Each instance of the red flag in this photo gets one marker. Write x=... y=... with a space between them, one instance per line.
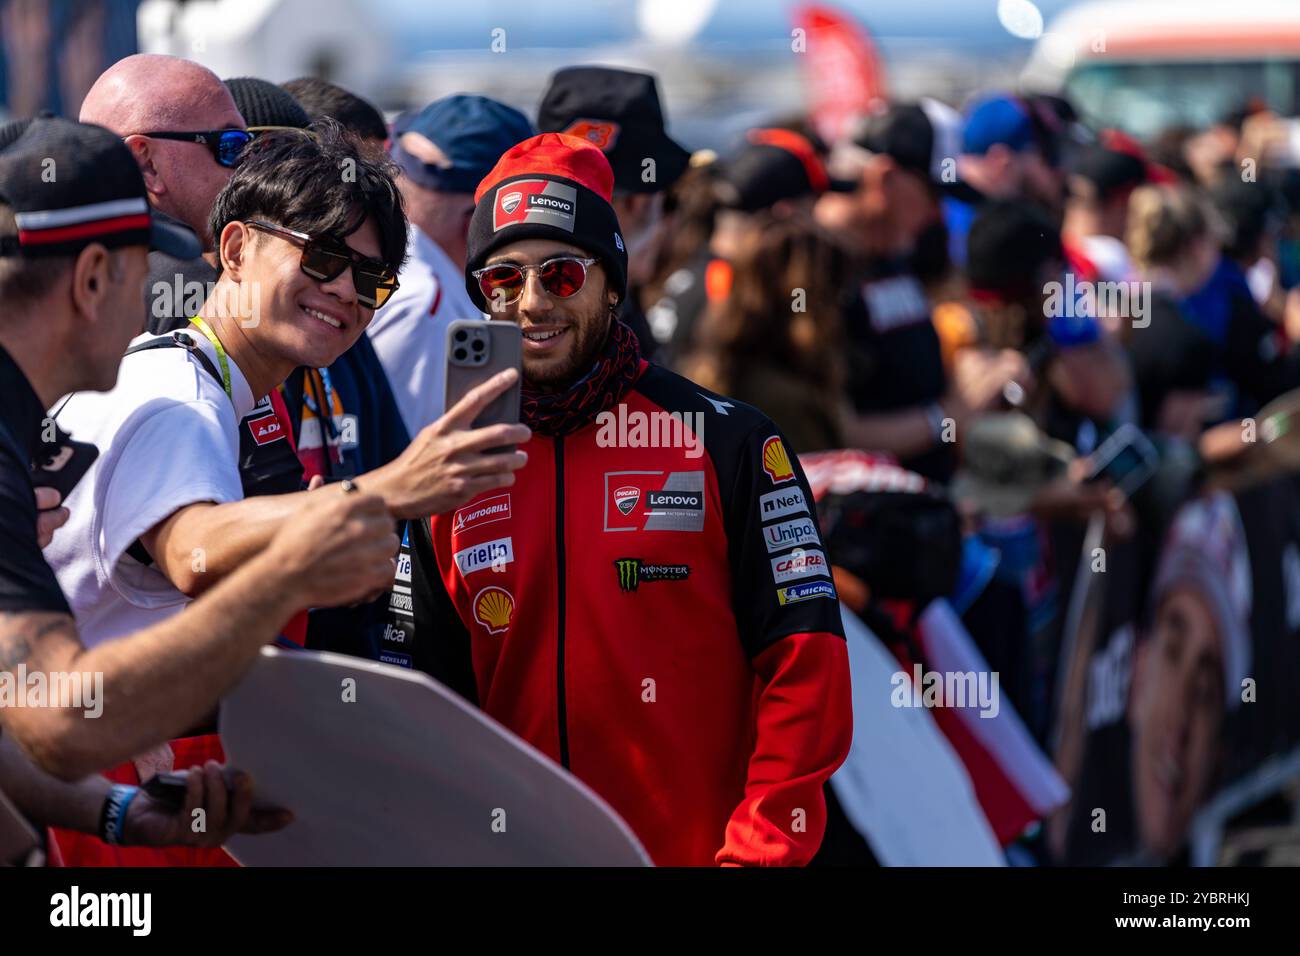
x=843 y=70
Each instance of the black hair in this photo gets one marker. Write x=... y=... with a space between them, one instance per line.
x=1008 y=244
x=1250 y=211
x=320 y=184
x=323 y=98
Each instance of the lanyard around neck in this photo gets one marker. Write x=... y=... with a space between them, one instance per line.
x=221 y=354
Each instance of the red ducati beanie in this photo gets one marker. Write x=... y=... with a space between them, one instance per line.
x=551 y=186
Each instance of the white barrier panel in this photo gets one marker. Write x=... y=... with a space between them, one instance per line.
x=394 y=769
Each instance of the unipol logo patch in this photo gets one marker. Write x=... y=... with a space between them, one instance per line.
x=535 y=201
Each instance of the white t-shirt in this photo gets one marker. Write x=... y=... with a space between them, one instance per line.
x=409 y=332
x=168 y=436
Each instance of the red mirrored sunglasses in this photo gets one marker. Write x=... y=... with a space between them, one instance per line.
x=562 y=277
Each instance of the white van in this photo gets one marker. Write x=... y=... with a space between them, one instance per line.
x=1146 y=65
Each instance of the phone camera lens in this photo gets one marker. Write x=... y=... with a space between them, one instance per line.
x=478 y=345
x=460 y=355
x=461 y=335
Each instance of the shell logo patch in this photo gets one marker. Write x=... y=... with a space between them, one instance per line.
x=776 y=462
x=493 y=608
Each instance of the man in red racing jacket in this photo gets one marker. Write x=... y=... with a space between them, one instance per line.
x=649 y=604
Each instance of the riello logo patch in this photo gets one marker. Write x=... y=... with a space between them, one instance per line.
x=537 y=201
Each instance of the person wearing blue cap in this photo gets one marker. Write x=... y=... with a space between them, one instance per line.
x=443 y=151
x=1001 y=158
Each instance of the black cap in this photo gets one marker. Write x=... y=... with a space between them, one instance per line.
x=619 y=112
x=773 y=165
x=1110 y=171
x=921 y=137
x=71 y=184
x=262 y=103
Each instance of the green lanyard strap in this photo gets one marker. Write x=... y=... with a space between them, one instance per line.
x=221 y=354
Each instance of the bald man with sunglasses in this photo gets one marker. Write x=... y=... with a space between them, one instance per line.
x=187 y=135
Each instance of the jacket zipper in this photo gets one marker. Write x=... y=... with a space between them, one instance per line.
x=560 y=702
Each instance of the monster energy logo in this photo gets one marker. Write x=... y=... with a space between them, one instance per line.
x=633 y=571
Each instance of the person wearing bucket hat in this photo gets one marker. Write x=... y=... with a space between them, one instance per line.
x=442 y=152
x=619 y=112
x=613 y=552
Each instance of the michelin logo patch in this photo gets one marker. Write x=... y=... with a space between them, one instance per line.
x=535 y=201
x=805 y=592
x=489 y=554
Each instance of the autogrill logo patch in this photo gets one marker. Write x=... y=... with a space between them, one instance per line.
x=496 y=508
x=632 y=572
x=535 y=201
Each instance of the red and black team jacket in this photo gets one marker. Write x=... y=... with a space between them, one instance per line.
x=659 y=620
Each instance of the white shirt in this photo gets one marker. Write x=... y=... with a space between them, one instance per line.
x=409 y=332
x=168 y=436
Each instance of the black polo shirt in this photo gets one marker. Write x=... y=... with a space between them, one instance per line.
x=26 y=582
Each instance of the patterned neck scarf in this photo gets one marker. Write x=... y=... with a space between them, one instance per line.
x=562 y=413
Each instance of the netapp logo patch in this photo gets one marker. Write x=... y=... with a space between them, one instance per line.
x=778 y=504
x=535 y=201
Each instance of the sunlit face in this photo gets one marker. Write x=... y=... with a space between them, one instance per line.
x=301 y=319
x=562 y=336
x=1176 y=712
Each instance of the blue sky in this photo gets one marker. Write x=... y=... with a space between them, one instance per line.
x=446 y=24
